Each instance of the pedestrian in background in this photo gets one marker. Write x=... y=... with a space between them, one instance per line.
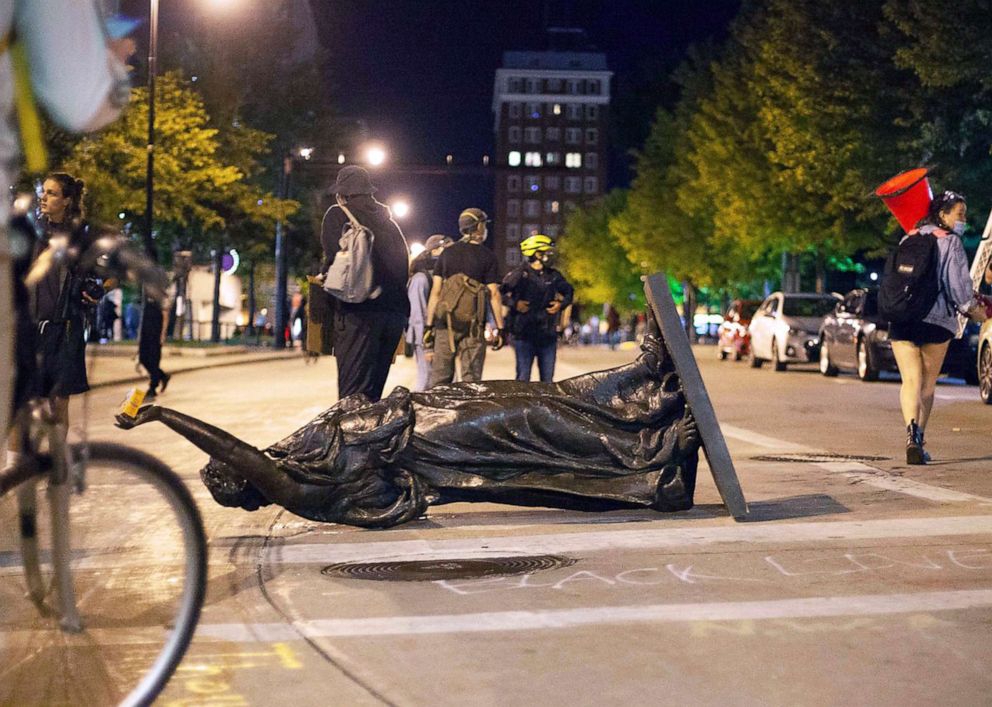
x=419 y=291
x=151 y=339
x=612 y=325
x=366 y=334
x=535 y=295
x=919 y=347
x=465 y=283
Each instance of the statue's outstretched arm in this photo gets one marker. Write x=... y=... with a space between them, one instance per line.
x=240 y=456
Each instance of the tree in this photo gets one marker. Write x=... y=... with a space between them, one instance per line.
x=594 y=262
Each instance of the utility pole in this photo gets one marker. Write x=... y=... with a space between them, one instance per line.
x=281 y=314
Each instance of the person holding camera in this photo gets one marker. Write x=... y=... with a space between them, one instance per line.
x=62 y=299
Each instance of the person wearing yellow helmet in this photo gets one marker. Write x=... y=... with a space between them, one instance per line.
x=537 y=298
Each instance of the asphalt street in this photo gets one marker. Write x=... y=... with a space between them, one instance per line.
x=856 y=580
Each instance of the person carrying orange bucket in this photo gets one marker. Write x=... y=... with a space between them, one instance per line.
x=926 y=294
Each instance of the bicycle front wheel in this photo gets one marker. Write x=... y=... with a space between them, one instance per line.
x=138 y=564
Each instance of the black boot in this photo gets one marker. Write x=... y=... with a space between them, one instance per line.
x=923 y=445
x=914 y=445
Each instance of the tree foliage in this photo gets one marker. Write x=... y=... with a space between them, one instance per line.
x=595 y=262
x=781 y=134
x=201 y=172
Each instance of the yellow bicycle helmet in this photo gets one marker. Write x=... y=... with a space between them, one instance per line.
x=536 y=243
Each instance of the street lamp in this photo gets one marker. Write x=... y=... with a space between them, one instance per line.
x=400 y=209
x=374 y=154
x=416 y=249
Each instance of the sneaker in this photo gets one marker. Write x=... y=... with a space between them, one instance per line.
x=165 y=381
x=150 y=395
x=914 y=449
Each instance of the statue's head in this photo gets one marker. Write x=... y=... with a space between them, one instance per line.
x=230 y=488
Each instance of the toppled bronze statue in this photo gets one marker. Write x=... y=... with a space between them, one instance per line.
x=618 y=438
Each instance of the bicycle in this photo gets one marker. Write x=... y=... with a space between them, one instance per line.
x=101 y=590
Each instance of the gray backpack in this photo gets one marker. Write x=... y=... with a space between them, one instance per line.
x=350 y=277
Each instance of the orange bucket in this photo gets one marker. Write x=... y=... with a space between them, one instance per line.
x=908 y=197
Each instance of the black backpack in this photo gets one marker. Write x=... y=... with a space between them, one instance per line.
x=911 y=281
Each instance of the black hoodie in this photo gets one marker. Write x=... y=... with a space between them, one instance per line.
x=390 y=260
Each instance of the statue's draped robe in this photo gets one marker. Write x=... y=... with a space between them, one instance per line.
x=604 y=440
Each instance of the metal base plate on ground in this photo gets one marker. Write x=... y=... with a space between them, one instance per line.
x=660 y=301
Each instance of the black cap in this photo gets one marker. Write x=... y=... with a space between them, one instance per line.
x=470 y=218
x=352 y=180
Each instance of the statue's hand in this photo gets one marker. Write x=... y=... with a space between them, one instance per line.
x=653 y=352
x=148 y=413
x=689 y=438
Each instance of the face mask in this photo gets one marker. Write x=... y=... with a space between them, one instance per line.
x=959 y=227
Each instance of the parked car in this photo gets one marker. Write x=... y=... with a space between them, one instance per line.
x=786 y=328
x=985 y=362
x=733 y=338
x=853 y=337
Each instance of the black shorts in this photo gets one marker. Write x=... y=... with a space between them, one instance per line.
x=919 y=333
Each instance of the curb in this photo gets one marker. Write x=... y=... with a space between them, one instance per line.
x=188 y=369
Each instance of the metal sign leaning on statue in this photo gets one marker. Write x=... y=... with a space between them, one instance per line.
x=626 y=437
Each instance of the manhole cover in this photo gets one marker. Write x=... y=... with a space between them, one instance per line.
x=817 y=458
x=430 y=570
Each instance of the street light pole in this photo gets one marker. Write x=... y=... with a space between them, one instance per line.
x=281 y=314
x=150 y=170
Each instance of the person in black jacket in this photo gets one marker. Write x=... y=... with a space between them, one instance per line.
x=367 y=333
x=536 y=296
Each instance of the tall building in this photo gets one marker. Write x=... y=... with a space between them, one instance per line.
x=552 y=114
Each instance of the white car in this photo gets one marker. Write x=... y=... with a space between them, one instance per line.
x=786 y=327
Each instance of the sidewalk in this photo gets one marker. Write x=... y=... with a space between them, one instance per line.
x=118 y=364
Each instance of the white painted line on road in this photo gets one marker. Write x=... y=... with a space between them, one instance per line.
x=485 y=622
x=880 y=479
x=654 y=539
x=857 y=471
x=492 y=621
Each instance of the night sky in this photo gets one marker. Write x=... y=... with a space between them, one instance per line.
x=420 y=72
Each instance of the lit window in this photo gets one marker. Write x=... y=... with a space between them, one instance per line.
x=513 y=159
x=552 y=158
x=573 y=160
x=555 y=207
x=551 y=207
x=557 y=109
x=532 y=159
